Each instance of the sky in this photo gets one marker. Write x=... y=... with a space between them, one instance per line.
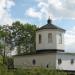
x=62 y=13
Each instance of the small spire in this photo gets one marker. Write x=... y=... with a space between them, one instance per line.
x=49 y=17
x=49 y=20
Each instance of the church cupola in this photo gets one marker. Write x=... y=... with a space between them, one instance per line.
x=50 y=38
x=49 y=21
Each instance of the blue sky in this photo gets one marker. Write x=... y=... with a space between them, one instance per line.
x=62 y=12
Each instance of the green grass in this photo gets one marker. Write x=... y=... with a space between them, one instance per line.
x=1 y=59
x=33 y=71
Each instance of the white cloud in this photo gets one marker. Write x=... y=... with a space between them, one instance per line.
x=56 y=3
x=33 y=13
x=70 y=40
x=21 y=20
x=5 y=7
x=54 y=8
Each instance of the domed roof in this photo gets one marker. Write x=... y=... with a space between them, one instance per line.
x=49 y=25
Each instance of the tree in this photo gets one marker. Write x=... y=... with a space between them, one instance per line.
x=2 y=41
x=6 y=42
x=24 y=37
x=21 y=36
x=31 y=30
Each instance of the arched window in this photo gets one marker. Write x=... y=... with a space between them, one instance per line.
x=59 y=61
x=47 y=65
x=60 y=38
x=40 y=38
x=72 y=61
x=49 y=37
x=34 y=61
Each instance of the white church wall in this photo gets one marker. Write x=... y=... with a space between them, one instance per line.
x=58 y=45
x=42 y=60
x=45 y=44
x=66 y=61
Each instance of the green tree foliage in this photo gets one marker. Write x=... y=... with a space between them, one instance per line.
x=24 y=37
x=21 y=36
x=2 y=36
x=5 y=38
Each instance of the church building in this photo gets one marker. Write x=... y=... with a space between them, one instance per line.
x=50 y=51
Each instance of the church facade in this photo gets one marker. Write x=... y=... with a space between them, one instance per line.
x=49 y=50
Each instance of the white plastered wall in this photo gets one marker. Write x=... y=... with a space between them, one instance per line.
x=45 y=44
x=41 y=60
x=66 y=61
